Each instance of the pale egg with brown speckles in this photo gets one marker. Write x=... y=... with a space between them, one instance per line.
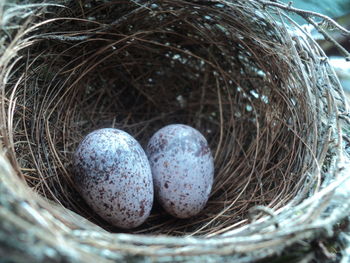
x=182 y=168
x=113 y=175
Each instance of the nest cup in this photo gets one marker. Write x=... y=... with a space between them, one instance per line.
x=258 y=88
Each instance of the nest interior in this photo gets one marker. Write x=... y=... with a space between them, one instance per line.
x=222 y=68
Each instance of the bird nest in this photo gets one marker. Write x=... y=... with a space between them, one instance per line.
x=241 y=72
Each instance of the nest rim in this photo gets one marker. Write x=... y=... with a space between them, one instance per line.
x=226 y=239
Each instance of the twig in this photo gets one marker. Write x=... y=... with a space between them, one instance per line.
x=305 y=14
x=63 y=38
x=329 y=38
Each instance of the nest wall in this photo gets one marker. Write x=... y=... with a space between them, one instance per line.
x=263 y=95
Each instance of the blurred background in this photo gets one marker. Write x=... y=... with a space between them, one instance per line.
x=339 y=10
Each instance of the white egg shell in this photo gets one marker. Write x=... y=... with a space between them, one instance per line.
x=114 y=177
x=182 y=168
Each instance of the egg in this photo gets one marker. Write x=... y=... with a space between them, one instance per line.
x=182 y=168
x=113 y=175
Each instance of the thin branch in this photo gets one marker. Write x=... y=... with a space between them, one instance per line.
x=329 y=38
x=305 y=14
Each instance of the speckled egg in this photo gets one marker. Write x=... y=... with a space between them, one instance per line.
x=114 y=177
x=182 y=168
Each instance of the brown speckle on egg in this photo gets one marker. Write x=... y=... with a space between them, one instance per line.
x=113 y=175
x=182 y=168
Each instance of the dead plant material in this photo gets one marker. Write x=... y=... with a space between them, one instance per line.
x=241 y=72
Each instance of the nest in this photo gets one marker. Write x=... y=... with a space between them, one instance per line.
x=241 y=72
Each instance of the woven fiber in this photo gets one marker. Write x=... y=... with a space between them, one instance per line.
x=242 y=72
